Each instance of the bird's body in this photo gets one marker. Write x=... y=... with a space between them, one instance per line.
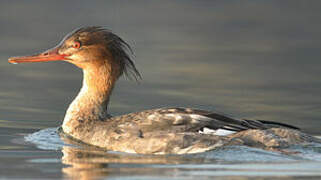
x=179 y=131
x=102 y=56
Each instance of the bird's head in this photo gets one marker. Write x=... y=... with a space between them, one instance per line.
x=89 y=47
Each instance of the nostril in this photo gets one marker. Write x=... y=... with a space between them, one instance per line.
x=46 y=54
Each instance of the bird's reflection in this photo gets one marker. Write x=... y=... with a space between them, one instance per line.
x=87 y=162
x=82 y=165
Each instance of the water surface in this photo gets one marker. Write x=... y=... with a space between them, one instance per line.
x=251 y=59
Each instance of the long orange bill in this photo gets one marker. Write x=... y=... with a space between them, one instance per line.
x=49 y=55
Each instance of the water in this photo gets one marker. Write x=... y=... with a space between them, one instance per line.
x=252 y=59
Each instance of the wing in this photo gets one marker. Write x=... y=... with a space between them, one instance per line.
x=193 y=120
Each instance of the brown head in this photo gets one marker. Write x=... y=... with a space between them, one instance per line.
x=89 y=47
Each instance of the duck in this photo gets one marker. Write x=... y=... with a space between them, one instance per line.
x=104 y=57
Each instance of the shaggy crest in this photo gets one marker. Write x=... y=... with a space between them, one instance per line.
x=116 y=45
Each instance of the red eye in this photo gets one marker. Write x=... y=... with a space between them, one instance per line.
x=76 y=45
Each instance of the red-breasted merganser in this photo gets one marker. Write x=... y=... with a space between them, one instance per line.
x=103 y=57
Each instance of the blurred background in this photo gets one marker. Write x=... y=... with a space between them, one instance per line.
x=255 y=59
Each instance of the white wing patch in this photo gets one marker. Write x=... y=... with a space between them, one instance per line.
x=217 y=132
